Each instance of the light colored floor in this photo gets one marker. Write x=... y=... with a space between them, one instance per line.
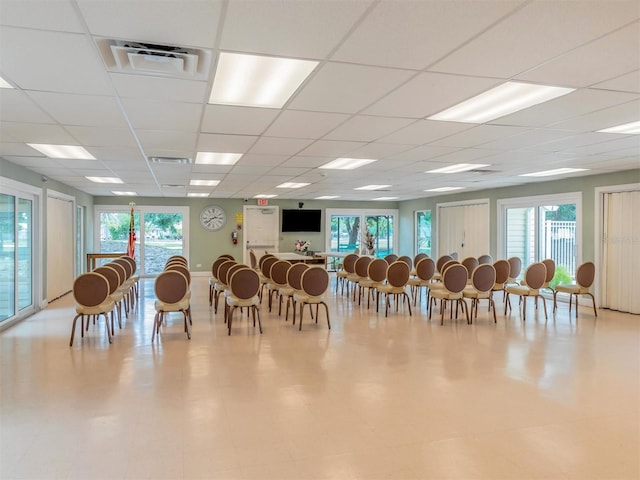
x=375 y=397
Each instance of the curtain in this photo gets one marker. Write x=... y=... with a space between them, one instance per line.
x=621 y=255
x=464 y=229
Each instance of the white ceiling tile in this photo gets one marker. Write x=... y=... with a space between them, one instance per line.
x=537 y=33
x=426 y=131
x=344 y=88
x=528 y=139
x=33 y=163
x=268 y=27
x=429 y=93
x=629 y=82
x=17 y=107
x=330 y=148
x=478 y=135
x=367 y=128
x=91 y=110
x=18 y=149
x=237 y=120
x=612 y=55
x=209 y=142
x=569 y=143
x=171 y=22
x=249 y=159
x=437 y=28
x=601 y=119
x=309 y=162
x=211 y=169
x=159 y=88
x=467 y=155
x=379 y=150
x=298 y=124
x=160 y=115
x=71 y=63
x=103 y=137
x=251 y=169
x=279 y=146
x=423 y=153
x=42 y=14
x=152 y=140
x=34 y=133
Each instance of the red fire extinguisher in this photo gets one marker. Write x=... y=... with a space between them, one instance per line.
x=234 y=237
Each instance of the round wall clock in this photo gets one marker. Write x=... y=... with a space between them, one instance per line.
x=213 y=218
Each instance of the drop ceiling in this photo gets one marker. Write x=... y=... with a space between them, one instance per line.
x=384 y=67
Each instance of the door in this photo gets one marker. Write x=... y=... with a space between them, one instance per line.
x=261 y=227
x=60 y=245
x=463 y=229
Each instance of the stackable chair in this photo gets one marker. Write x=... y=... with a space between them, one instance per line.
x=396 y=283
x=425 y=268
x=294 y=285
x=348 y=267
x=376 y=275
x=470 y=263
x=585 y=275
x=502 y=275
x=482 y=259
x=392 y=257
x=277 y=280
x=454 y=281
x=483 y=279
x=361 y=272
x=92 y=297
x=244 y=289
x=534 y=277
x=214 y=275
x=440 y=262
x=416 y=259
x=172 y=293
x=115 y=293
x=314 y=284
x=221 y=283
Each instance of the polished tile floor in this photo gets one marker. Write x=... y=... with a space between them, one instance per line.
x=374 y=398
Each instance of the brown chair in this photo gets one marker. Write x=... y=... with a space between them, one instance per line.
x=482 y=259
x=534 y=276
x=214 y=275
x=265 y=271
x=115 y=293
x=244 y=289
x=416 y=259
x=454 y=281
x=348 y=267
x=123 y=287
x=392 y=257
x=585 y=275
x=178 y=257
x=376 y=275
x=221 y=283
x=294 y=274
x=314 y=283
x=277 y=280
x=134 y=278
x=515 y=267
x=502 y=274
x=361 y=272
x=406 y=259
x=470 y=263
x=128 y=286
x=253 y=260
x=171 y=289
x=396 y=283
x=425 y=269
x=483 y=279
x=92 y=297
x=439 y=264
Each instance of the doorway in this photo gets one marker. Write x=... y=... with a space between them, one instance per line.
x=261 y=225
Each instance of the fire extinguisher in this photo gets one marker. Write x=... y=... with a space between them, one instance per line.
x=234 y=237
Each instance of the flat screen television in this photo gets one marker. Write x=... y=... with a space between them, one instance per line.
x=301 y=220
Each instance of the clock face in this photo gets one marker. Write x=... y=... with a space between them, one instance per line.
x=213 y=218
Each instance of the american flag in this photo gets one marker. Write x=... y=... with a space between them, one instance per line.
x=131 y=247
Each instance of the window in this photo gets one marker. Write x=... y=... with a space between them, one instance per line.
x=423 y=232
x=160 y=233
x=345 y=227
x=535 y=228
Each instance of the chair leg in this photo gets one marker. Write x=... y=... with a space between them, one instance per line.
x=230 y=319
x=301 y=314
x=544 y=304
x=73 y=327
x=256 y=312
x=593 y=300
x=326 y=308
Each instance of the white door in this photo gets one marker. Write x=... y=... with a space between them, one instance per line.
x=60 y=245
x=463 y=229
x=261 y=227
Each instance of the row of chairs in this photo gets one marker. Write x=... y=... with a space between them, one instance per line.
x=103 y=292
x=172 y=288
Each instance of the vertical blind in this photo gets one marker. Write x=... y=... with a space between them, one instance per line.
x=464 y=229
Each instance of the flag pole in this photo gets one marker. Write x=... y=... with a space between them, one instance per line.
x=131 y=246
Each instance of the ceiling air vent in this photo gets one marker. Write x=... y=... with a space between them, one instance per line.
x=155 y=59
x=170 y=160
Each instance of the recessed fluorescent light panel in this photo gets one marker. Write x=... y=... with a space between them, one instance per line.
x=502 y=100
x=327 y=197
x=197 y=194
x=204 y=183
x=62 y=151
x=557 y=171
x=292 y=185
x=104 y=179
x=262 y=195
x=444 y=189
x=460 y=167
x=257 y=81
x=386 y=198
x=124 y=194
x=4 y=83
x=372 y=187
x=214 y=158
x=347 y=163
x=632 y=128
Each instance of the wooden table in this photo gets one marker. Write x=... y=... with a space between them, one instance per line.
x=297 y=258
x=92 y=257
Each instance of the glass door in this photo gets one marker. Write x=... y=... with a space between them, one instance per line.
x=381 y=227
x=423 y=232
x=16 y=255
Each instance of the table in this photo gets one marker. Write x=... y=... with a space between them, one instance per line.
x=92 y=257
x=297 y=258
